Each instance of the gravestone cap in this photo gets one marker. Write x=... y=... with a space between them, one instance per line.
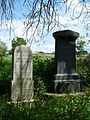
x=65 y=33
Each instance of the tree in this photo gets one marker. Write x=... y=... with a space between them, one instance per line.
x=44 y=15
x=18 y=41
x=81 y=44
x=5 y=69
x=3 y=49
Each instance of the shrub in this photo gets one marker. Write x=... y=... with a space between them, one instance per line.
x=83 y=68
x=5 y=74
x=39 y=88
x=49 y=72
x=43 y=72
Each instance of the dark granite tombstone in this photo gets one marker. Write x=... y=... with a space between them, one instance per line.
x=66 y=78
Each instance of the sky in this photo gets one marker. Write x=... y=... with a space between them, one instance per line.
x=47 y=44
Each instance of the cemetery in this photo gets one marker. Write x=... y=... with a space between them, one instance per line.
x=35 y=87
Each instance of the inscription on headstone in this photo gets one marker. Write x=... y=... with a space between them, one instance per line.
x=22 y=84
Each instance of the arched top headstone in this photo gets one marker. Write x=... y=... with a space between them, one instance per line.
x=22 y=49
x=22 y=84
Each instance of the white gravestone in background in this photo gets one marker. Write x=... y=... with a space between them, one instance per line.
x=22 y=84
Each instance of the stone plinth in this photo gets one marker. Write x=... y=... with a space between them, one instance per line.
x=22 y=84
x=66 y=78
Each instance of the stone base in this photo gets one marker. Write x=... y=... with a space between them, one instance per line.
x=67 y=86
x=22 y=93
x=65 y=76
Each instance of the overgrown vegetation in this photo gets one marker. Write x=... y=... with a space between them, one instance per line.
x=74 y=107
x=5 y=70
x=52 y=108
x=3 y=48
x=5 y=75
x=83 y=68
x=43 y=71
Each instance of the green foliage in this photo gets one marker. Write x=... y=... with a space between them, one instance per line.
x=43 y=72
x=39 y=88
x=53 y=108
x=3 y=49
x=80 y=45
x=38 y=62
x=39 y=83
x=67 y=107
x=18 y=41
x=49 y=72
x=5 y=74
x=5 y=69
x=83 y=68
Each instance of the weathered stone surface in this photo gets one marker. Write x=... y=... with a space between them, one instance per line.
x=22 y=84
x=66 y=77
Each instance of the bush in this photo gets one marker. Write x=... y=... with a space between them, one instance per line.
x=83 y=68
x=5 y=74
x=49 y=72
x=43 y=72
x=39 y=88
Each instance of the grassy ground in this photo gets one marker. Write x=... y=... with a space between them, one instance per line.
x=49 y=107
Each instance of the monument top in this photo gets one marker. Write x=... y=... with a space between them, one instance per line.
x=65 y=33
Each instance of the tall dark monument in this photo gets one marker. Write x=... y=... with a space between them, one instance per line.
x=66 y=78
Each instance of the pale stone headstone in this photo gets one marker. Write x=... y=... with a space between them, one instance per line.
x=22 y=84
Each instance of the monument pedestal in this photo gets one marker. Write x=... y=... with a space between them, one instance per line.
x=66 y=78
x=65 y=83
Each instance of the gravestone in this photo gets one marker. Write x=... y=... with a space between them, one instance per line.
x=66 y=78
x=22 y=84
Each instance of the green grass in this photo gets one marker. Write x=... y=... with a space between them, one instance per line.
x=49 y=108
